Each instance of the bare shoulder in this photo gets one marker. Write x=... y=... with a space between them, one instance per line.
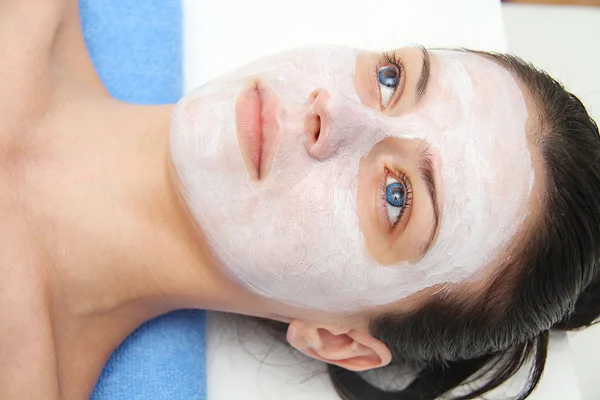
x=37 y=36
x=30 y=21
x=27 y=32
x=27 y=361
x=27 y=356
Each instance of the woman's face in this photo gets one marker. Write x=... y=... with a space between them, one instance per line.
x=335 y=179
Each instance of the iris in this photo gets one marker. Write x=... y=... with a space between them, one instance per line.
x=394 y=194
x=389 y=76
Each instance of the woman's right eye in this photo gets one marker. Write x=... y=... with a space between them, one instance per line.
x=396 y=196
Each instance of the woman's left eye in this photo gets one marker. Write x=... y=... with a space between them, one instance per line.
x=395 y=196
x=389 y=79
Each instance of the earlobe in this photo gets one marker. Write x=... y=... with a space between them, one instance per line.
x=352 y=349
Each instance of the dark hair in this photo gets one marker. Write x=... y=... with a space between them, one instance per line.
x=550 y=281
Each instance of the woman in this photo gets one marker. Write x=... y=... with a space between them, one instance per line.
x=435 y=208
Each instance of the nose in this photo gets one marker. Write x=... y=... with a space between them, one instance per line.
x=317 y=124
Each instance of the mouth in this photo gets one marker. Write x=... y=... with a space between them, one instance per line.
x=258 y=128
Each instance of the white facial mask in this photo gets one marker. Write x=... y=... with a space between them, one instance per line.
x=295 y=236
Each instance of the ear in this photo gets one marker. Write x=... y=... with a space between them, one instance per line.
x=352 y=349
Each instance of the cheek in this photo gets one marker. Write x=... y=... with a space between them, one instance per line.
x=192 y=107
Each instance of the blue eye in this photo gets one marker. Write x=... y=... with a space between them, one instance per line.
x=395 y=196
x=389 y=78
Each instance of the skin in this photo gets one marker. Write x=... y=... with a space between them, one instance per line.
x=95 y=238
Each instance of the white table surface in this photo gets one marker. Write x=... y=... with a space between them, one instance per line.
x=219 y=35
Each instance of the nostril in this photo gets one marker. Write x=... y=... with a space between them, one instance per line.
x=317 y=124
x=317 y=128
x=312 y=128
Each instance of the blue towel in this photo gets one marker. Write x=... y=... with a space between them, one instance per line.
x=136 y=47
x=163 y=359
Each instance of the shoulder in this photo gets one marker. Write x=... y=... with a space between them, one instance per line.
x=28 y=29
x=27 y=358
x=27 y=352
x=30 y=21
x=37 y=37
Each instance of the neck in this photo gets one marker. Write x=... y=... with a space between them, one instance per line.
x=124 y=247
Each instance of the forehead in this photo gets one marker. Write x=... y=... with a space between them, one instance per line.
x=470 y=90
x=472 y=77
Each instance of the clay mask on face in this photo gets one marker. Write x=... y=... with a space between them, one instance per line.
x=295 y=236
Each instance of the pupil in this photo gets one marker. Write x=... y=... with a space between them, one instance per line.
x=394 y=194
x=388 y=76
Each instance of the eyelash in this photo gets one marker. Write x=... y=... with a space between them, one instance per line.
x=388 y=58
x=393 y=58
x=402 y=178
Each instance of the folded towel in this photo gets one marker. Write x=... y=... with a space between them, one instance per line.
x=136 y=47
x=164 y=359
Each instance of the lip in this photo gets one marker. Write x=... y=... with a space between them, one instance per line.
x=258 y=128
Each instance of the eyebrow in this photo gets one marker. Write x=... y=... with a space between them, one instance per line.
x=425 y=166
x=423 y=81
